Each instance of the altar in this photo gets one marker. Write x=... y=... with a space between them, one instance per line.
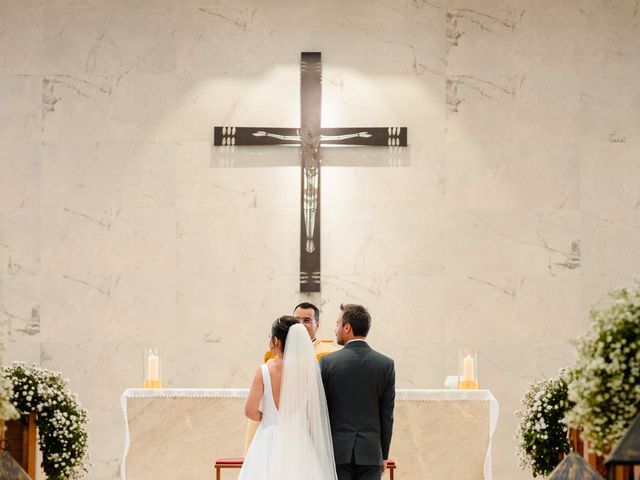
x=178 y=433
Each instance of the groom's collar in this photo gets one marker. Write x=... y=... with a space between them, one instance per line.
x=357 y=343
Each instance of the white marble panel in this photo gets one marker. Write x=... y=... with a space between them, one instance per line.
x=244 y=157
x=611 y=242
x=546 y=176
x=408 y=36
x=20 y=352
x=269 y=99
x=20 y=307
x=610 y=38
x=373 y=241
x=353 y=97
x=377 y=181
x=74 y=107
x=609 y=176
x=519 y=36
x=202 y=23
x=596 y=287
x=109 y=38
x=512 y=94
x=219 y=308
x=481 y=242
x=136 y=107
x=106 y=437
x=142 y=108
x=20 y=167
x=203 y=182
x=81 y=175
x=424 y=366
x=478 y=175
x=497 y=175
x=239 y=240
x=361 y=289
x=402 y=306
x=192 y=365
x=416 y=154
x=20 y=273
x=536 y=309
x=609 y=108
x=122 y=308
x=21 y=100
x=98 y=372
x=514 y=107
x=111 y=240
x=21 y=24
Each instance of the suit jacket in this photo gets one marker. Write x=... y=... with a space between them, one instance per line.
x=360 y=387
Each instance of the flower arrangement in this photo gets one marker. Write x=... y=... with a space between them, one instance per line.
x=61 y=420
x=542 y=434
x=7 y=410
x=605 y=383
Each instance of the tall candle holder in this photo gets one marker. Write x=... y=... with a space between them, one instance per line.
x=468 y=369
x=152 y=368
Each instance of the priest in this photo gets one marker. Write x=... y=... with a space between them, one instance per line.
x=309 y=315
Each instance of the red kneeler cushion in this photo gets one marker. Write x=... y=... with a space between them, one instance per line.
x=237 y=462
x=228 y=462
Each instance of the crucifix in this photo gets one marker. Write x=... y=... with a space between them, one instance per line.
x=310 y=136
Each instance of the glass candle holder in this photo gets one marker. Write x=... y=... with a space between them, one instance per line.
x=468 y=369
x=152 y=368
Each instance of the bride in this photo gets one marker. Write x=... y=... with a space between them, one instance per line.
x=287 y=397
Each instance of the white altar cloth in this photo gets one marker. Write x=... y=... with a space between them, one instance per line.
x=177 y=433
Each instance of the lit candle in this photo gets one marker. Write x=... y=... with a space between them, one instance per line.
x=467 y=369
x=153 y=367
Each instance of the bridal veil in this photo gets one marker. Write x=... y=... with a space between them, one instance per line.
x=303 y=448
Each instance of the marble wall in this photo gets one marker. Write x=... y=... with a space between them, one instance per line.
x=515 y=207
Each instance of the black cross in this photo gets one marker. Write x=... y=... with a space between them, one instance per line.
x=310 y=136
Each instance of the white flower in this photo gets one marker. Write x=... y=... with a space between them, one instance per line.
x=39 y=390
x=604 y=398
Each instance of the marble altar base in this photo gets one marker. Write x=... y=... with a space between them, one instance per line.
x=176 y=434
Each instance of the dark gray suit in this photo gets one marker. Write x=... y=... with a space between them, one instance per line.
x=360 y=387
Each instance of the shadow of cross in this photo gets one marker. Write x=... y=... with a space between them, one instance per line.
x=310 y=137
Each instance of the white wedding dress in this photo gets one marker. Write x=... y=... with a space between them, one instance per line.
x=256 y=462
x=293 y=443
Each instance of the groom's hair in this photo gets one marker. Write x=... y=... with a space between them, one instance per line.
x=358 y=317
x=280 y=328
x=307 y=305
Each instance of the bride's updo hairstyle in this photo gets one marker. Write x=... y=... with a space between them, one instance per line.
x=280 y=328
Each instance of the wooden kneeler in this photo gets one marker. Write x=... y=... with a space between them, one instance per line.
x=20 y=441
x=222 y=463
x=391 y=466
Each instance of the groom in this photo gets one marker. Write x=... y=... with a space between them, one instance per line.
x=360 y=387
